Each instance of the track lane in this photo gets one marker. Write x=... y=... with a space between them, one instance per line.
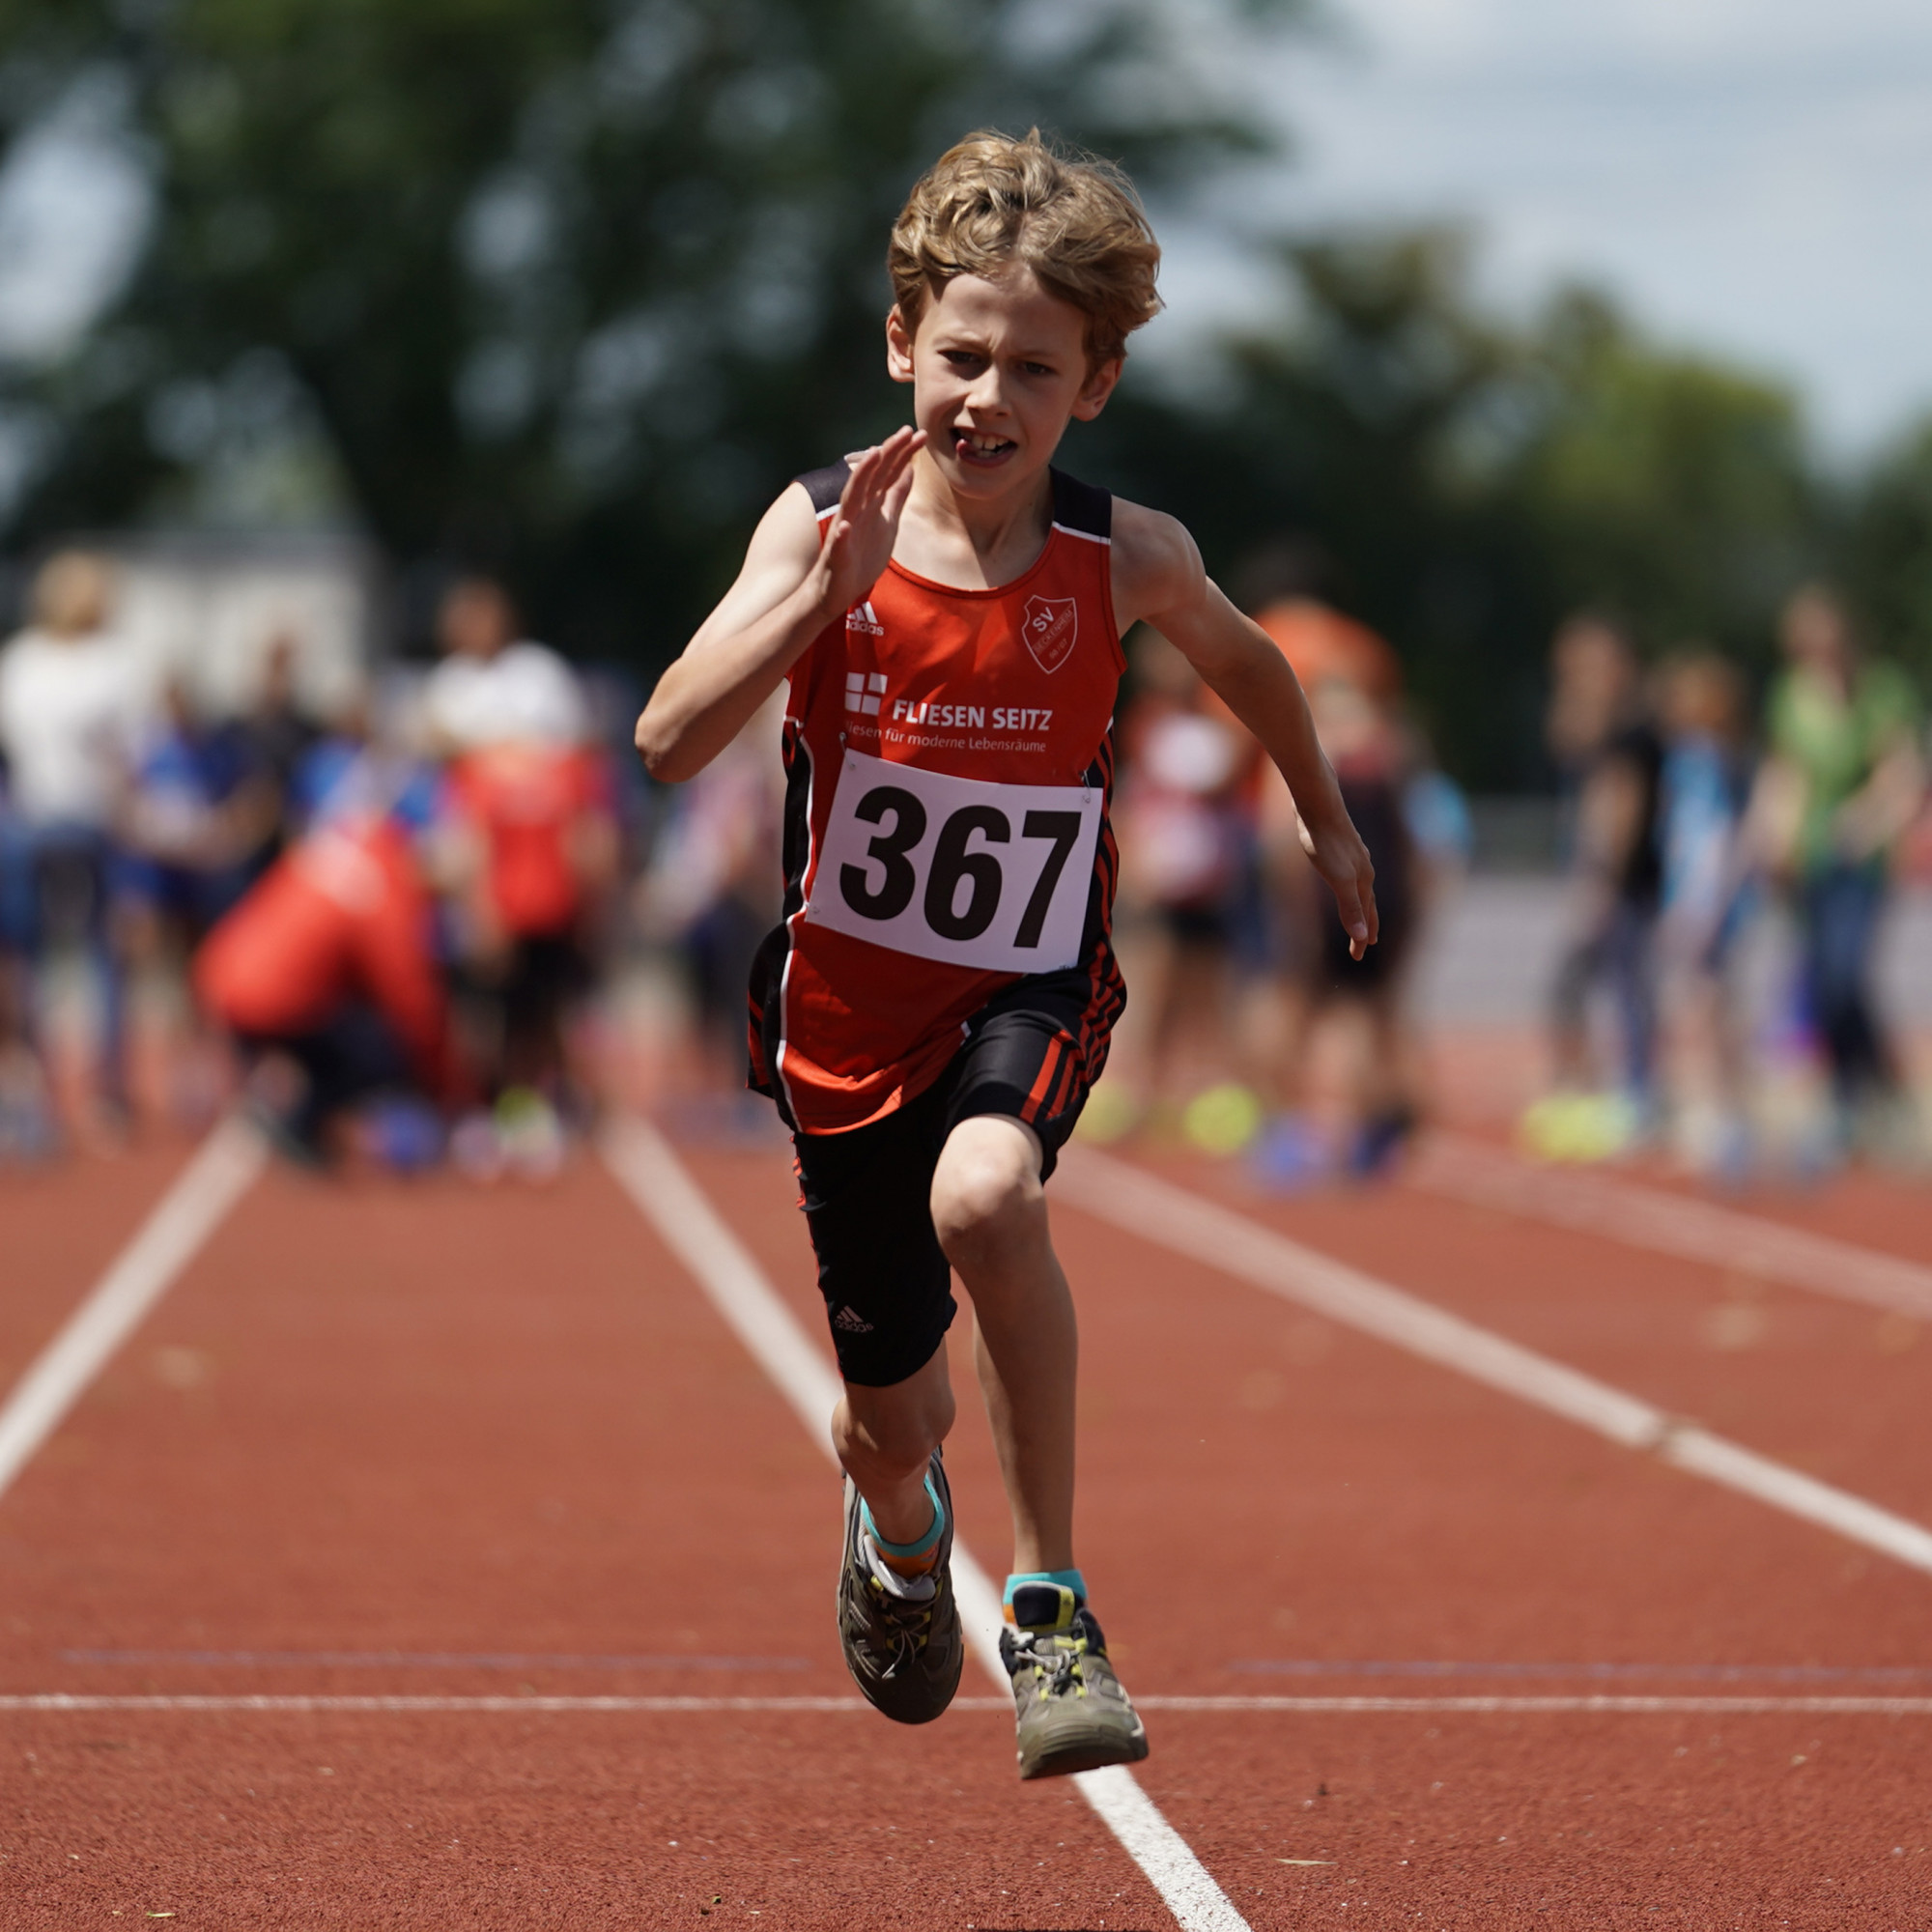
x=443 y=1423
x=1837 y=1390
x=383 y=1430
x=61 y=1224
x=1258 y=1485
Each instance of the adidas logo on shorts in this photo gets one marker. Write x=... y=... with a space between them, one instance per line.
x=862 y=692
x=852 y=1323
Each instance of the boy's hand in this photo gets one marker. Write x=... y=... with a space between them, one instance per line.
x=867 y=523
x=1336 y=849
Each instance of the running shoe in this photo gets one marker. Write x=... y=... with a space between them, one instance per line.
x=900 y=1634
x=1073 y=1713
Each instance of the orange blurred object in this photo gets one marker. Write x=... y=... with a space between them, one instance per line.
x=1320 y=642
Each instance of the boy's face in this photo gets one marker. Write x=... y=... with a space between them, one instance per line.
x=997 y=369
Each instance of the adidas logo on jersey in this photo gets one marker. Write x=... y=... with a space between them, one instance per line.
x=864 y=692
x=852 y=1323
x=863 y=617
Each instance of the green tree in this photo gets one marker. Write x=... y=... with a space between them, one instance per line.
x=1884 y=555
x=1670 y=487
x=572 y=285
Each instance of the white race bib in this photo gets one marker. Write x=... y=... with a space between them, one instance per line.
x=991 y=877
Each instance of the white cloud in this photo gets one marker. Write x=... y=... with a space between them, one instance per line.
x=1748 y=174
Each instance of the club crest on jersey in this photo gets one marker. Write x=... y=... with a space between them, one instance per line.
x=1049 y=627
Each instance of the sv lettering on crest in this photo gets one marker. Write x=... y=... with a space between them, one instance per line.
x=1049 y=626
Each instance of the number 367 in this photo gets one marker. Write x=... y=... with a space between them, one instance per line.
x=951 y=865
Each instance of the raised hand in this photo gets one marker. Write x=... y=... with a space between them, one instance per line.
x=867 y=523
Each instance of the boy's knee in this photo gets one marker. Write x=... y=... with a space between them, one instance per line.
x=985 y=1191
x=894 y=1438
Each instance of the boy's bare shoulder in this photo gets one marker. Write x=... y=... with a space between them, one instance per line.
x=1156 y=563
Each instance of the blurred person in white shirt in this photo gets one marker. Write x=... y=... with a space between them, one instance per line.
x=68 y=703
x=494 y=687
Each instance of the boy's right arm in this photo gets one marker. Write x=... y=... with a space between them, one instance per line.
x=792 y=585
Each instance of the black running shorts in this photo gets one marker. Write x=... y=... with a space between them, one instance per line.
x=867 y=1193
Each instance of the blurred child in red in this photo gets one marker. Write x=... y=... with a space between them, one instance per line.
x=1354 y=683
x=532 y=850
x=1188 y=770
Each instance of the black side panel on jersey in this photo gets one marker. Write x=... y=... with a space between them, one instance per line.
x=768 y=967
x=1079 y=507
x=825 y=486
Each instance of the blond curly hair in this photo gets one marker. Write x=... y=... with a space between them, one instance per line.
x=992 y=201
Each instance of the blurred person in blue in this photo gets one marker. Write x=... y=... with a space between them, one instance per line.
x=195 y=815
x=70 y=701
x=1610 y=759
x=1709 y=864
x=1844 y=742
x=275 y=734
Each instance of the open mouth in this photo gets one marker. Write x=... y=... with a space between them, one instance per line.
x=970 y=446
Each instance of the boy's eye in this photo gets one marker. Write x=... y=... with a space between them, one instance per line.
x=962 y=359
x=1038 y=368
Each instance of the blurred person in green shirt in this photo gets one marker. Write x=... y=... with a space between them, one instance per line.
x=1845 y=778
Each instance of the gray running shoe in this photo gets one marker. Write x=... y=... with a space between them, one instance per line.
x=904 y=1652
x=1074 y=1713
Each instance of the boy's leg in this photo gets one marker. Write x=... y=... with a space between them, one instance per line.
x=889 y=1300
x=989 y=1210
x=885 y=1438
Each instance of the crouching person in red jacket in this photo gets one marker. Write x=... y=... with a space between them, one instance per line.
x=329 y=963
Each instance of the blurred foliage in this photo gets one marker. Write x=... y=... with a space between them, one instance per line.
x=1886 y=550
x=1462 y=483
x=565 y=286
x=569 y=287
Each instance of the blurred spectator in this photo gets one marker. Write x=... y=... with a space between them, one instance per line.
x=1185 y=829
x=1611 y=758
x=533 y=843
x=275 y=735
x=1842 y=736
x=193 y=816
x=1706 y=885
x=193 y=812
x=67 y=701
x=713 y=887
x=1354 y=683
x=327 y=973
x=493 y=688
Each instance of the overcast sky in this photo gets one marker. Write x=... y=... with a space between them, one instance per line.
x=1752 y=176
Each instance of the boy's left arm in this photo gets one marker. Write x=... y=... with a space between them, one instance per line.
x=1158 y=579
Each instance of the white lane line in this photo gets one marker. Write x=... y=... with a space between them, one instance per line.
x=657 y=1181
x=1220 y=1238
x=217 y=1177
x=403 y=1706
x=1667 y=1224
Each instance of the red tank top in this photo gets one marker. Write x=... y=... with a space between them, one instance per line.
x=948 y=763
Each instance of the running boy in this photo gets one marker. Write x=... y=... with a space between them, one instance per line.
x=935 y=1006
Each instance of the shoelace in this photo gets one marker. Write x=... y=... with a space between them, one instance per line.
x=1056 y=1666
x=910 y=1620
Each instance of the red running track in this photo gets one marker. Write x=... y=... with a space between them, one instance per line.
x=502 y=1438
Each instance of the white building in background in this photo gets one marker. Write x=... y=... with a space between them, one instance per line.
x=212 y=608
